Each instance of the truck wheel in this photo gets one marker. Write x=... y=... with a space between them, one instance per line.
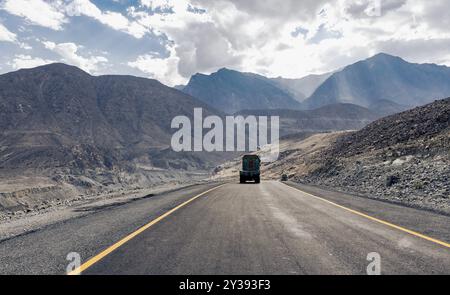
x=257 y=180
x=241 y=180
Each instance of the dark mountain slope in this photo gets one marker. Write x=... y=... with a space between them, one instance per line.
x=60 y=116
x=418 y=128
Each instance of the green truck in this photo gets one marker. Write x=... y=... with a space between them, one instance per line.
x=250 y=169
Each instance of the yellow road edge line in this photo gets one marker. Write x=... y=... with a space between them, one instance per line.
x=411 y=232
x=113 y=247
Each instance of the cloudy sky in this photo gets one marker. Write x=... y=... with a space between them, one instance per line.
x=170 y=40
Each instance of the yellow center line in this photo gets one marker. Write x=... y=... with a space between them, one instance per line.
x=110 y=249
x=411 y=232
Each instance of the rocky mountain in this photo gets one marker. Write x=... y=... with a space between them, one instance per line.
x=232 y=91
x=383 y=78
x=420 y=131
x=383 y=83
x=60 y=116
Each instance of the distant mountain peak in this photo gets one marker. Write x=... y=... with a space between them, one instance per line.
x=60 y=66
x=383 y=77
x=232 y=91
x=384 y=55
x=227 y=71
x=221 y=70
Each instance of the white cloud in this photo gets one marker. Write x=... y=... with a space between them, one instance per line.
x=68 y=53
x=114 y=20
x=256 y=36
x=245 y=35
x=37 y=12
x=21 y=61
x=163 y=69
x=6 y=35
x=252 y=35
x=54 y=13
x=198 y=44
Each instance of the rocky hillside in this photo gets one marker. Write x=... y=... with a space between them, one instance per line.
x=422 y=130
x=60 y=116
x=402 y=158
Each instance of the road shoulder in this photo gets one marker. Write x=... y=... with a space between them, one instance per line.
x=430 y=223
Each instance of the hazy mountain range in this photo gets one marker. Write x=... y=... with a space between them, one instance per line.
x=65 y=133
x=383 y=83
x=60 y=116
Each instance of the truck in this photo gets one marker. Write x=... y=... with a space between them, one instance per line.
x=250 y=169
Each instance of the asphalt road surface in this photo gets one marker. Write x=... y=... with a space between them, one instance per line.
x=266 y=228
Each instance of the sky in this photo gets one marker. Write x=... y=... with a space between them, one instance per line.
x=170 y=40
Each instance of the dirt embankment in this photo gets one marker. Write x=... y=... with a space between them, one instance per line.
x=29 y=192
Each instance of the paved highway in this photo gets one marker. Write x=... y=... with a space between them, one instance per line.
x=269 y=228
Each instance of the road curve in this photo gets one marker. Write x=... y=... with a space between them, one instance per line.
x=269 y=228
